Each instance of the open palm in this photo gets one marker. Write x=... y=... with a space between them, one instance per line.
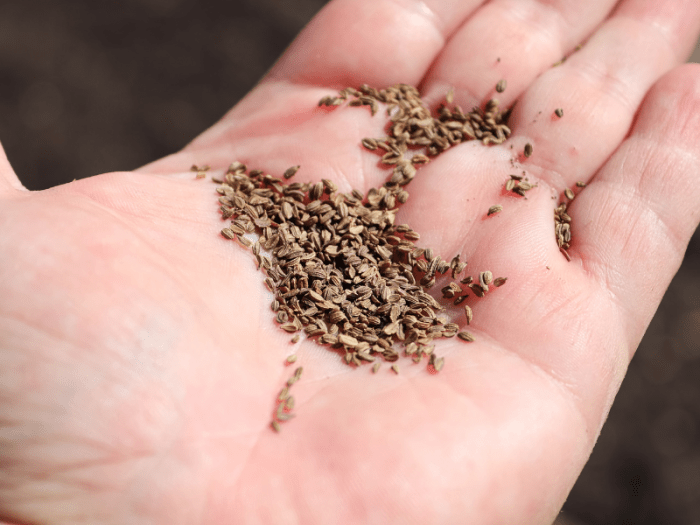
x=139 y=359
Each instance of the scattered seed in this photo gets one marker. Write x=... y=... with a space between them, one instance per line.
x=295 y=339
x=465 y=336
x=499 y=281
x=528 y=150
x=569 y=194
x=496 y=208
x=468 y=313
x=501 y=86
x=559 y=112
x=581 y=184
x=275 y=426
x=291 y=359
x=395 y=368
x=290 y=172
x=450 y=97
x=375 y=367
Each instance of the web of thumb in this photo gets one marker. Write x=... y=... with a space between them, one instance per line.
x=9 y=181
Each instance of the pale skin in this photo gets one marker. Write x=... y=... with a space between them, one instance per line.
x=139 y=359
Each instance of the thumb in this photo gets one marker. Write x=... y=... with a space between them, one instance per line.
x=8 y=178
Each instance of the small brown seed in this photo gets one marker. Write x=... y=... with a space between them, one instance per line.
x=569 y=194
x=275 y=426
x=290 y=172
x=226 y=232
x=499 y=281
x=369 y=143
x=291 y=359
x=581 y=184
x=295 y=339
x=496 y=208
x=395 y=368
x=501 y=86
x=559 y=112
x=465 y=336
x=375 y=367
x=528 y=150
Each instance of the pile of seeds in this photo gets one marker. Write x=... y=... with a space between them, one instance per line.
x=340 y=268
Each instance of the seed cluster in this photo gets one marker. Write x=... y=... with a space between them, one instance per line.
x=562 y=222
x=339 y=267
x=285 y=402
x=519 y=184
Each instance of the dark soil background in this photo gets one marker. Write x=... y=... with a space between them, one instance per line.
x=88 y=87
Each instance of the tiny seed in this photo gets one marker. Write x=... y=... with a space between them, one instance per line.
x=295 y=339
x=439 y=363
x=275 y=426
x=290 y=172
x=292 y=358
x=496 y=208
x=375 y=367
x=468 y=313
x=569 y=194
x=501 y=86
x=226 y=232
x=465 y=336
x=395 y=368
x=581 y=184
x=528 y=150
x=289 y=403
x=499 y=281
x=559 y=112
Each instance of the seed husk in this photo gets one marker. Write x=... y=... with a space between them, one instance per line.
x=569 y=194
x=466 y=336
x=291 y=359
x=275 y=426
x=581 y=184
x=375 y=367
x=528 y=150
x=295 y=339
x=496 y=208
x=395 y=368
x=559 y=112
x=501 y=86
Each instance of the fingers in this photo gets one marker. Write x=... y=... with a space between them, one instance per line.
x=600 y=87
x=8 y=179
x=633 y=222
x=378 y=42
x=514 y=40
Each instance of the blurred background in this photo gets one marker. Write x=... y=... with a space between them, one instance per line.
x=90 y=87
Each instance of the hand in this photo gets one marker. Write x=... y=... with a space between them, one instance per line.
x=139 y=359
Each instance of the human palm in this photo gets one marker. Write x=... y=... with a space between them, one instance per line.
x=139 y=359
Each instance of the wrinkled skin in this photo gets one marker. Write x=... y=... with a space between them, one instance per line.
x=139 y=359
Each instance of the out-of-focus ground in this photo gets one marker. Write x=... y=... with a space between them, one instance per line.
x=87 y=88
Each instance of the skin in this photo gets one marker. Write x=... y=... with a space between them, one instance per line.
x=139 y=359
